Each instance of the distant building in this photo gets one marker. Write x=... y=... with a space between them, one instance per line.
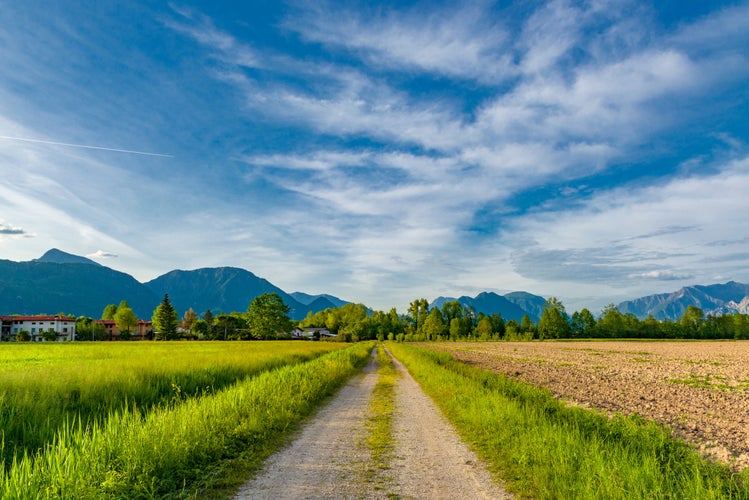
x=144 y=330
x=63 y=326
x=310 y=333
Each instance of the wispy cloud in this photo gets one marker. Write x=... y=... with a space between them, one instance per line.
x=458 y=42
x=662 y=275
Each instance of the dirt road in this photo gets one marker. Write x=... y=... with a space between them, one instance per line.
x=329 y=459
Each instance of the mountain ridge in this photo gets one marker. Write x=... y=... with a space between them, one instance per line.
x=712 y=299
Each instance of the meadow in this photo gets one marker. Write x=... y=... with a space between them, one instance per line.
x=81 y=416
x=542 y=447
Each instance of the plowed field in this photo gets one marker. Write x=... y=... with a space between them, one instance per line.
x=698 y=389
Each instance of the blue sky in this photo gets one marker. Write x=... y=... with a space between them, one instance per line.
x=593 y=151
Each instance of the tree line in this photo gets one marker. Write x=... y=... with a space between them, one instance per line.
x=454 y=321
x=267 y=317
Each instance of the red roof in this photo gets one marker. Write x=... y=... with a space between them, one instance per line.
x=37 y=318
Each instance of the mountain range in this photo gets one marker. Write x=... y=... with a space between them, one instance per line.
x=62 y=282
x=727 y=298
x=513 y=305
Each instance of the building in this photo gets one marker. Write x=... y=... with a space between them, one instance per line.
x=310 y=333
x=143 y=331
x=63 y=326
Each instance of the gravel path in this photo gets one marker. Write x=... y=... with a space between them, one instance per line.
x=430 y=459
x=329 y=460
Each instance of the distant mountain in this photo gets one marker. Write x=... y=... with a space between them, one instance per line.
x=56 y=256
x=490 y=303
x=62 y=282
x=51 y=287
x=224 y=289
x=528 y=302
x=308 y=299
x=712 y=299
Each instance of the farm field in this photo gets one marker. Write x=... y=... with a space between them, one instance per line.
x=698 y=389
x=58 y=400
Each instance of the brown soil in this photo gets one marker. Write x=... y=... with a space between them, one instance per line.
x=698 y=389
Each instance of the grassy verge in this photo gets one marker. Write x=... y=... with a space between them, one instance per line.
x=543 y=449
x=380 y=441
x=186 y=450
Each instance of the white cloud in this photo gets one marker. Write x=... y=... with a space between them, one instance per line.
x=619 y=236
x=461 y=43
x=102 y=254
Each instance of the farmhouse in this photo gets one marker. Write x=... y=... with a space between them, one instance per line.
x=310 y=333
x=143 y=331
x=63 y=326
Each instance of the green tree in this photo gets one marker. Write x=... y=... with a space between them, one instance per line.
x=109 y=312
x=418 y=310
x=49 y=335
x=484 y=329
x=434 y=325
x=583 y=324
x=498 y=324
x=554 y=323
x=125 y=319
x=526 y=325
x=611 y=323
x=165 y=320
x=23 y=336
x=268 y=316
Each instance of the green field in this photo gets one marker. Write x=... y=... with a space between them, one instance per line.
x=150 y=419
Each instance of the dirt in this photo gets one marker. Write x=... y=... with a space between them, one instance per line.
x=328 y=459
x=698 y=389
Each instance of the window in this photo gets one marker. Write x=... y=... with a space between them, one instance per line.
x=33 y=330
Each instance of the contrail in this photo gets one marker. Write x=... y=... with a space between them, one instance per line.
x=54 y=143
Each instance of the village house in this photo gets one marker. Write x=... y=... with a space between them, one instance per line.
x=143 y=331
x=310 y=333
x=63 y=326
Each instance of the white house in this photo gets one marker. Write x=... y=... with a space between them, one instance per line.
x=311 y=333
x=35 y=325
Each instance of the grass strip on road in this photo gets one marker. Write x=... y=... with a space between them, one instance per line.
x=380 y=440
x=541 y=448
x=182 y=450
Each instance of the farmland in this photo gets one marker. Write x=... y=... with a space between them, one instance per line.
x=698 y=389
x=91 y=421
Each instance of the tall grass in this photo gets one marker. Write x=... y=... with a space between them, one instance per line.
x=45 y=386
x=175 y=451
x=542 y=448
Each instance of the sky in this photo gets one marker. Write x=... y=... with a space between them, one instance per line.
x=592 y=151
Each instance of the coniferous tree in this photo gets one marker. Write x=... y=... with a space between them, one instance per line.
x=165 y=319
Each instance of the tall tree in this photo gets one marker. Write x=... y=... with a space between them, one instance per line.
x=554 y=323
x=418 y=309
x=434 y=325
x=165 y=320
x=268 y=316
x=109 y=312
x=189 y=319
x=125 y=319
x=583 y=324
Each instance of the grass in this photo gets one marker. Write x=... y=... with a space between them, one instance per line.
x=198 y=448
x=380 y=440
x=542 y=448
x=712 y=382
x=44 y=387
